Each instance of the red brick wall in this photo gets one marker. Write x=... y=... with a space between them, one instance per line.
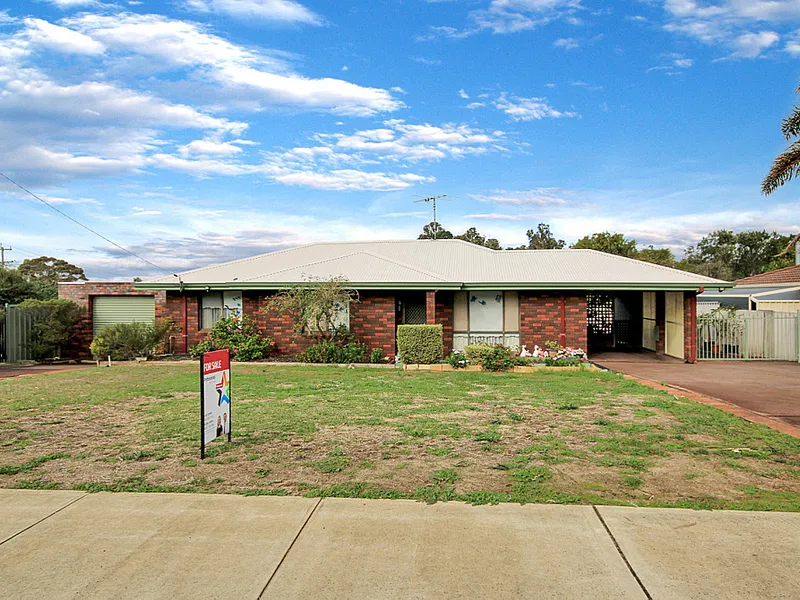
x=430 y=308
x=279 y=327
x=372 y=320
x=83 y=294
x=690 y=327
x=173 y=308
x=444 y=316
x=540 y=319
x=661 y=322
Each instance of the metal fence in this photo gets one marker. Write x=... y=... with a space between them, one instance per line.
x=749 y=335
x=15 y=330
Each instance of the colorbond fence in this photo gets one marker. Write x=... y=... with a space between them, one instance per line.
x=15 y=330
x=748 y=335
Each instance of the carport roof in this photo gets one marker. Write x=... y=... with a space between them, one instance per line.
x=436 y=264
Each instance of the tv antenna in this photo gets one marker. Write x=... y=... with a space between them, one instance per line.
x=432 y=199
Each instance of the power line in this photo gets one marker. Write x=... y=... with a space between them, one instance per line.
x=87 y=228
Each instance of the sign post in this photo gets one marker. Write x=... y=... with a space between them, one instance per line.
x=215 y=397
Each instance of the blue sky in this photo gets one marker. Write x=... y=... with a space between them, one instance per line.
x=197 y=131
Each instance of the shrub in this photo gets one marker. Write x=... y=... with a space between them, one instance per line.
x=420 y=344
x=329 y=351
x=53 y=322
x=376 y=356
x=499 y=358
x=126 y=341
x=240 y=335
x=457 y=360
x=476 y=352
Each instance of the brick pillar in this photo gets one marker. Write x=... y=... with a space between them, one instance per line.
x=690 y=327
x=661 y=322
x=430 y=308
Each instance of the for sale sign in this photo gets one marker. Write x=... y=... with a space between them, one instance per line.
x=215 y=397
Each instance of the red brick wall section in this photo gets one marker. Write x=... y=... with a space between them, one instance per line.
x=279 y=327
x=444 y=316
x=540 y=319
x=690 y=327
x=372 y=320
x=661 y=316
x=173 y=308
x=430 y=308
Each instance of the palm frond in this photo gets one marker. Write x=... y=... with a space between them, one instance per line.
x=785 y=168
x=790 y=126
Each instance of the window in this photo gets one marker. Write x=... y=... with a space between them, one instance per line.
x=218 y=305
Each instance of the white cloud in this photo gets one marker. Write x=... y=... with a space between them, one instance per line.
x=537 y=196
x=463 y=94
x=145 y=213
x=67 y=4
x=566 y=43
x=287 y=11
x=61 y=39
x=529 y=109
x=42 y=160
x=199 y=167
x=399 y=141
x=735 y=24
x=348 y=179
x=674 y=65
x=210 y=148
x=511 y=16
x=474 y=105
x=232 y=72
x=103 y=103
x=751 y=45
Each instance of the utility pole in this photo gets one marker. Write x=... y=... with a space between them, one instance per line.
x=432 y=199
x=3 y=255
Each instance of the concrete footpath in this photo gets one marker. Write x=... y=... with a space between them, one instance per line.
x=72 y=545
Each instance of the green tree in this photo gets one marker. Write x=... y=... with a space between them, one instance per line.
x=542 y=238
x=53 y=322
x=14 y=287
x=727 y=255
x=658 y=256
x=434 y=231
x=50 y=270
x=610 y=243
x=787 y=165
x=472 y=236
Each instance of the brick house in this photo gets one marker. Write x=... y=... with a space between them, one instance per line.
x=579 y=298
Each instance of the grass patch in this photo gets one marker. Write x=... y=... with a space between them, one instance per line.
x=553 y=437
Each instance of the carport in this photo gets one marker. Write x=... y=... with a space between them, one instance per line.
x=659 y=321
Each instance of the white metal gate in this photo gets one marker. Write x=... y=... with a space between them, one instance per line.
x=748 y=335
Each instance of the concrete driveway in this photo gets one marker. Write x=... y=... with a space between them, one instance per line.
x=771 y=389
x=75 y=545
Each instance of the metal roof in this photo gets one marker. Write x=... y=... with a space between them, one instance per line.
x=436 y=264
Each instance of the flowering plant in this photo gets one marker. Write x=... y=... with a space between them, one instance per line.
x=457 y=360
x=554 y=354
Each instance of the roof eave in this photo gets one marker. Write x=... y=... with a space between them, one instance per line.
x=443 y=285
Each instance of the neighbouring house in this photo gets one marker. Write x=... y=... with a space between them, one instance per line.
x=579 y=298
x=777 y=290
